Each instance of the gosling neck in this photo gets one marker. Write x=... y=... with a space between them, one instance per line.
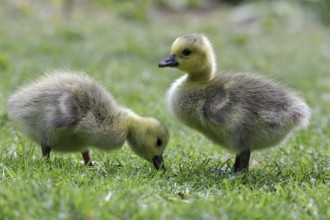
x=133 y=134
x=132 y=121
x=203 y=74
x=204 y=70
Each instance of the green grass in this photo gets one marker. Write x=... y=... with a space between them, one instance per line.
x=287 y=182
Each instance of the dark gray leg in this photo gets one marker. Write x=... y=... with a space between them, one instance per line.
x=45 y=150
x=87 y=158
x=242 y=161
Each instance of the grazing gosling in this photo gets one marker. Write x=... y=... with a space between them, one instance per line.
x=68 y=111
x=241 y=112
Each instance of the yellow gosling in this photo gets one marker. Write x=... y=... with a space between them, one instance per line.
x=70 y=112
x=240 y=112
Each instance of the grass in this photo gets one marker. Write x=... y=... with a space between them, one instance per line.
x=287 y=182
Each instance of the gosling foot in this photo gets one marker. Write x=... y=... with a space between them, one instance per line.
x=45 y=149
x=87 y=158
x=242 y=161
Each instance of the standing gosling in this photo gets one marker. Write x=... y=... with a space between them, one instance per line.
x=68 y=111
x=241 y=112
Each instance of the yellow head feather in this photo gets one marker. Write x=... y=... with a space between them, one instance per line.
x=194 y=55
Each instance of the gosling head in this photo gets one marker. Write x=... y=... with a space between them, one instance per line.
x=192 y=54
x=148 y=139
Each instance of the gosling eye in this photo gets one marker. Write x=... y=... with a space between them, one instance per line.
x=159 y=142
x=186 y=52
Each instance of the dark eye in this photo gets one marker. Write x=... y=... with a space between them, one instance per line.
x=186 y=52
x=159 y=142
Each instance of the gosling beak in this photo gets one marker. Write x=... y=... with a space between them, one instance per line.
x=159 y=162
x=168 y=62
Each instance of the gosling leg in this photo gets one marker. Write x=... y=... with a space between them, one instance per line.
x=242 y=161
x=87 y=158
x=45 y=149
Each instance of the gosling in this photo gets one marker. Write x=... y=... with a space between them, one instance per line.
x=240 y=112
x=69 y=112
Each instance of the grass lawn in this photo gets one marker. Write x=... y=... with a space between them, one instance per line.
x=291 y=181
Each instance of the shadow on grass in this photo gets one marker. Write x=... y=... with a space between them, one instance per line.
x=197 y=176
x=267 y=177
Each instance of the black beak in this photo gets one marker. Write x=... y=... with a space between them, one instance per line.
x=159 y=162
x=169 y=62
